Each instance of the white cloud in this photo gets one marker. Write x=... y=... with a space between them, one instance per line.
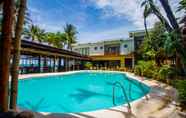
x=129 y=9
x=121 y=32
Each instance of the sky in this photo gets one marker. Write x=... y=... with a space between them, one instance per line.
x=95 y=20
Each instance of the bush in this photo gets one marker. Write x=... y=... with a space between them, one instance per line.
x=88 y=65
x=181 y=87
x=145 y=68
x=165 y=73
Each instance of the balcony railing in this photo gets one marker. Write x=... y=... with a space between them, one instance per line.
x=111 y=53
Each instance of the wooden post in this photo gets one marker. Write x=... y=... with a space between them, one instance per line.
x=73 y=64
x=54 y=68
x=39 y=63
x=5 y=51
x=59 y=64
x=66 y=67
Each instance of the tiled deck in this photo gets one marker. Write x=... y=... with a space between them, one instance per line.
x=160 y=103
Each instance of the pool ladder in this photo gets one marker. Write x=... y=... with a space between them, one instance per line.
x=125 y=94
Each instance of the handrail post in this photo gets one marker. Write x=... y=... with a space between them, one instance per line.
x=124 y=92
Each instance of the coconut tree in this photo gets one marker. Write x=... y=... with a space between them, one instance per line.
x=70 y=34
x=5 y=50
x=16 y=55
x=170 y=14
x=182 y=5
x=56 y=39
x=34 y=33
x=50 y=38
x=151 y=8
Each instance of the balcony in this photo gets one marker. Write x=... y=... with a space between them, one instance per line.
x=111 y=53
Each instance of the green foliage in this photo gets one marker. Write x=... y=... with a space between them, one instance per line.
x=182 y=5
x=70 y=34
x=58 y=39
x=166 y=72
x=153 y=45
x=150 y=70
x=88 y=65
x=35 y=33
x=145 y=68
x=181 y=87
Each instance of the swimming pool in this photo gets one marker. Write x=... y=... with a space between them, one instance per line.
x=77 y=92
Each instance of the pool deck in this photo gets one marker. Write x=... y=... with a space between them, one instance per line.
x=160 y=104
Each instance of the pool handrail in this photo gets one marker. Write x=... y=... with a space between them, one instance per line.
x=124 y=92
x=140 y=86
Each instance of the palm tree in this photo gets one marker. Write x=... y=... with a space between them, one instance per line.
x=60 y=40
x=169 y=13
x=182 y=5
x=35 y=33
x=50 y=38
x=16 y=56
x=5 y=51
x=70 y=34
x=151 y=8
x=56 y=39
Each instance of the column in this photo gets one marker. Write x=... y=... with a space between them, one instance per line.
x=39 y=61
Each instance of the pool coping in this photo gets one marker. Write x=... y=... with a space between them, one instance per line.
x=103 y=113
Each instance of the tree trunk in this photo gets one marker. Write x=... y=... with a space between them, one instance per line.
x=5 y=51
x=16 y=54
x=169 y=13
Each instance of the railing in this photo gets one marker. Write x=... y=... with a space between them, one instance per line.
x=125 y=95
x=140 y=87
x=111 y=53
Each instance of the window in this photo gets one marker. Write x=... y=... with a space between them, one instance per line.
x=95 y=48
x=101 y=48
x=125 y=46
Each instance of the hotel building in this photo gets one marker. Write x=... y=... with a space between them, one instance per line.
x=113 y=53
x=110 y=53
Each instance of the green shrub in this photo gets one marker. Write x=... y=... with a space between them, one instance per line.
x=145 y=68
x=88 y=65
x=181 y=87
x=166 y=73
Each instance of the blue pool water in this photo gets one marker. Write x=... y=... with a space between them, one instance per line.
x=78 y=92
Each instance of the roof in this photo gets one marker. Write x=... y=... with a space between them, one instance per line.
x=49 y=49
x=110 y=41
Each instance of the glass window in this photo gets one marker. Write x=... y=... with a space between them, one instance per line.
x=95 y=48
x=101 y=47
x=125 y=46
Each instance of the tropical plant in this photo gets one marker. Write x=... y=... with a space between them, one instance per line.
x=145 y=68
x=88 y=65
x=70 y=34
x=151 y=8
x=5 y=51
x=166 y=72
x=181 y=87
x=56 y=39
x=60 y=40
x=35 y=33
x=16 y=56
x=182 y=5
x=153 y=45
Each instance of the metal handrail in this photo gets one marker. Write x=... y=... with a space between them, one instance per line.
x=141 y=88
x=124 y=92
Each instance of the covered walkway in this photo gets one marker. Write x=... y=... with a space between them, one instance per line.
x=39 y=58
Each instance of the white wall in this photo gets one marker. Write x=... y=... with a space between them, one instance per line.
x=99 y=51
x=127 y=50
x=93 y=52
